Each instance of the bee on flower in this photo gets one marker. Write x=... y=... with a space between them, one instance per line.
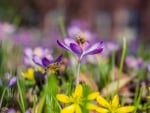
x=50 y=65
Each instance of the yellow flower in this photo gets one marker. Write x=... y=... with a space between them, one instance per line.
x=29 y=74
x=112 y=106
x=76 y=100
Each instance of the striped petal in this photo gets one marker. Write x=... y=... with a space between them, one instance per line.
x=94 y=49
x=64 y=46
x=76 y=49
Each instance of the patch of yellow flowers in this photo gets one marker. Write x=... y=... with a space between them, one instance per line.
x=76 y=101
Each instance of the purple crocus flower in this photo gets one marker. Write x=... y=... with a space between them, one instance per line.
x=12 y=81
x=81 y=47
x=38 y=51
x=49 y=65
x=134 y=63
x=45 y=62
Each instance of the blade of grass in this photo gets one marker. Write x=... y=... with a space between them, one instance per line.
x=21 y=97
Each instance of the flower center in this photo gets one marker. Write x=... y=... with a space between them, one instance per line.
x=53 y=68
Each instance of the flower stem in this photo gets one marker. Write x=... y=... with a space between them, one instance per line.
x=78 y=72
x=121 y=62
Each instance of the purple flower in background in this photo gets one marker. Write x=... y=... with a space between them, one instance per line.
x=134 y=63
x=6 y=29
x=24 y=38
x=38 y=51
x=12 y=81
x=81 y=47
x=148 y=67
x=11 y=110
x=109 y=48
x=49 y=65
x=29 y=111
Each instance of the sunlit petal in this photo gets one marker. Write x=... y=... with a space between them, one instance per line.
x=91 y=106
x=102 y=110
x=93 y=96
x=126 y=109
x=78 y=91
x=78 y=109
x=115 y=101
x=69 y=109
x=103 y=102
x=63 y=98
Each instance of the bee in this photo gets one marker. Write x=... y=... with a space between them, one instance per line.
x=52 y=68
x=80 y=40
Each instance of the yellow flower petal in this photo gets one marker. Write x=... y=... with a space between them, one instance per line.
x=91 y=106
x=102 y=110
x=102 y=102
x=126 y=109
x=93 y=96
x=115 y=101
x=78 y=109
x=69 y=109
x=78 y=91
x=63 y=98
x=29 y=74
x=148 y=97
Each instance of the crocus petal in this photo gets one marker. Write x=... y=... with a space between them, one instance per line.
x=102 y=102
x=93 y=96
x=12 y=81
x=69 y=109
x=126 y=109
x=76 y=48
x=78 y=109
x=63 y=98
x=78 y=91
x=59 y=58
x=95 y=49
x=37 y=60
x=28 y=52
x=62 y=45
x=45 y=62
x=68 y=41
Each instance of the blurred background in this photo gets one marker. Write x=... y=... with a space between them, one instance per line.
x=111 y=19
